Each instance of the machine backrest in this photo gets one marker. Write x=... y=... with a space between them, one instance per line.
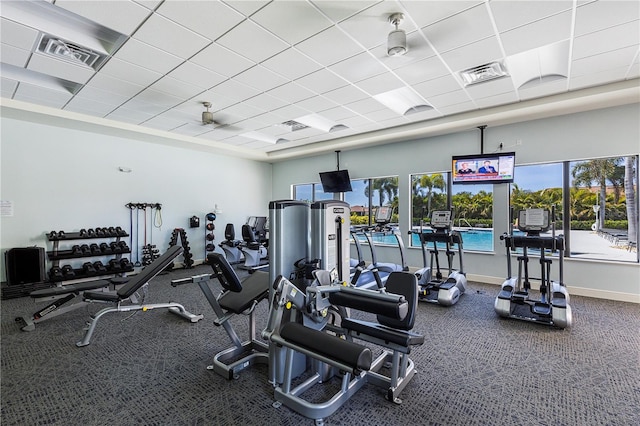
x=149 y=272
x=404 y=284
x=223 y=271
x=229 y=232
x=248 y=235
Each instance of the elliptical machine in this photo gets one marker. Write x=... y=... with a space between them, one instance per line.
x=433 y=286
x=514 y=299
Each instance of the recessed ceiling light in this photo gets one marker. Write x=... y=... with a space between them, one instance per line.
x=540 y=65
x=321 y=123
x=263 y=138
x=403 y=101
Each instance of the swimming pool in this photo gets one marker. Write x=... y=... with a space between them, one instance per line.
x=476 y=239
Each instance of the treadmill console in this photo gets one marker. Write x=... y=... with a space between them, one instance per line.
x=533 y=220
x=441 y=219
x=383 y=214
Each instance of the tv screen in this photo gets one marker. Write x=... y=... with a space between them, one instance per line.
x=336 y=181
x=483 y=168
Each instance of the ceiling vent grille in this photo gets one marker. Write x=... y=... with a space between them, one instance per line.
x=70 y=52
x=483 y=73
x=294 y=125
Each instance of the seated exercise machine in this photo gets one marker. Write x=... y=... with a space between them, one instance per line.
x=515 y=299
x=231 y=246
x=236 y=298
x=434 y=287
x=128 y=293
x=254 y=247
x=332 y=356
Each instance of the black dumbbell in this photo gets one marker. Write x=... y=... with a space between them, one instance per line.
x=100 y=232
x=125 y=264
x=88 y=268
x=68 y=272
x=114 y=265
x=61 y=235
x=115 y=247
x=85 y=249
x=76 y=249
x=55 y=273
x=91 y=233
x=95 y=248
x=99 y=266
x=120 y=231
x=52 y=235
x=83 y=233
x=111 y=231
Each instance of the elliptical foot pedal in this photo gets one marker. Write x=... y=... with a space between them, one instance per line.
x=542 y=309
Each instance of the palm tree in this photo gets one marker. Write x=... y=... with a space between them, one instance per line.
x=630 y=194
x=430 y=182
x=599 y=171
x=387 y=186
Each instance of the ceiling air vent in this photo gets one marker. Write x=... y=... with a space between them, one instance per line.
x=67 y=51
x=294 y=125
x=483 y=73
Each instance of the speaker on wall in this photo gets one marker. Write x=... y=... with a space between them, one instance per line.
x=24 y=265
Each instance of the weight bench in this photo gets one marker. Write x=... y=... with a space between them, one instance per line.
x=392 y=332
x=236 y=298
x=128 y=293
x=60 y=296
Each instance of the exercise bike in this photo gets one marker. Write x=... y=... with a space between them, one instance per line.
x=434 y=287
x=231 y=246
x=514 y=299
x=256 y=241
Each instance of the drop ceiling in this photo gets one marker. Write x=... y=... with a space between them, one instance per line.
x=265 y=64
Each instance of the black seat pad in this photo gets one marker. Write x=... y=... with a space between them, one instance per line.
x=254 y=288
x=391 y=335
x=69 y=288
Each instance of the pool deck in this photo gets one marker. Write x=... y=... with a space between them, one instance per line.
x=593 y=246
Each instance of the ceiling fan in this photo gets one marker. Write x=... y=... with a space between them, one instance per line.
x=207 y=116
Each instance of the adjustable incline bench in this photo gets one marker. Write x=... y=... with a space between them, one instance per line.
x=237 y=298
x=128 y=293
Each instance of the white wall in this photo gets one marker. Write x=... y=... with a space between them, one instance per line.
x=606 y=132
x=63 y=179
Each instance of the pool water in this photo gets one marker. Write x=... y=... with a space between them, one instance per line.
x=472 y=239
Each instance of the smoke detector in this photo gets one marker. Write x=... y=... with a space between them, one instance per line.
x=397 y=39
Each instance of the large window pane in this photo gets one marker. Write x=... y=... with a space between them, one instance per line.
x=303 y=192
x=473 y=209
x=604 y=208
x=358 y=200
x=428 y=193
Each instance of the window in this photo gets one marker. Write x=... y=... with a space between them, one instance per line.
x=604 y=208
x=473 y=210
x=428 y=193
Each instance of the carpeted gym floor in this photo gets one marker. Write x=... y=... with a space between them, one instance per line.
x=473 y=369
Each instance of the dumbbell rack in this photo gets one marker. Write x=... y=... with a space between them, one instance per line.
x=57 y=254
x=186 y=253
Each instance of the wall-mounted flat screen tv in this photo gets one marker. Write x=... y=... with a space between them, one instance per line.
x=483 y=168
x=336 y=181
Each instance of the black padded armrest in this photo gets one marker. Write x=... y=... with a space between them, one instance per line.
x=387 y=334
x=357 y=356
x=391 y=309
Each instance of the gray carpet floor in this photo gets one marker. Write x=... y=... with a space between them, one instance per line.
x=473 y=369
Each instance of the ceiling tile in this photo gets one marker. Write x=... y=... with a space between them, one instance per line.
x=253 y=41
x=289 y=112
x=247 y=7
x=612 y=38
x=13 y=55
x=365 y=106
x=448 y=99
x=196 y=75
x=149 y=57
x=41 y=95
x=164 y=122
x=158 y=98
x=317 y=104
x=291 y=21
x=492 y=101
x=490 y=88
x=126 y=115
x=346 y=95
x=536 y=34
x=601 y=77
x=291 y=92
x=437 y=86
x=234 y=91
x=121 y=16
x=598 y=15
x=466 y=27
x=338 y=114
x=265 y=102
x=359 y=67
x=322 y=81
x=115 y=85
x=191 y=129
x=609 y=60
x=512 y=14
x=149 y=4
x=8 y=87
x=473 y=55
x=424 y=70
x=260 y=78
x=340 y=47
x=164 y=34
x=210 y=19
x=58 y=68
x=129 y=72
x=89 y=106
x=137 y=104
x=338 y=10
x=18 y=35
x=291 y=64
x=429 y=12
x=106 y=96
x=176 y=87
x=380 y=83
x=222 y=60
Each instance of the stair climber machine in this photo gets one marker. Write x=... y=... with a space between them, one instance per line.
x=256 y=240
x=434 y=287
x=515 y=299
x=230 y=246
